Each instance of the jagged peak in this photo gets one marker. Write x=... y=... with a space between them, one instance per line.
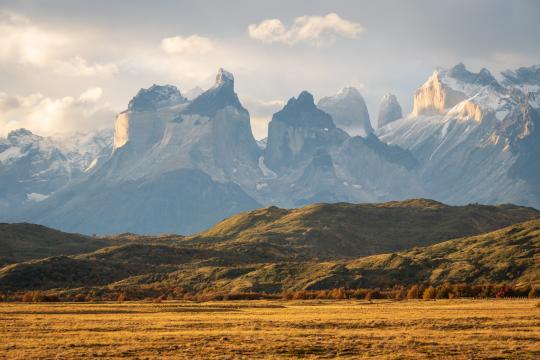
x=217 y=97
x=301 y=111
x=224 y=78
x=524 y=75
x=20 y=133
x=389 y=109
x=304 y=100
x=483 y=77
x=156 y=96
x=349 y=91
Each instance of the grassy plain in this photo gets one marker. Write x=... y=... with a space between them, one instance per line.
x=460 y=329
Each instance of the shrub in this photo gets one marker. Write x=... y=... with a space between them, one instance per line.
x=338 y=294
x=414 y=292
x=373 y=294
x=430 y=293
x=400 y=293
x=534 y=293
x=121 y=297
x=27 y=297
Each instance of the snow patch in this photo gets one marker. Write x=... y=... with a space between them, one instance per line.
x=10 y=154
x=265 y=170
x=36 y=197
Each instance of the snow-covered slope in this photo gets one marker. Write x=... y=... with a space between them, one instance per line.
x=32 y=167
x=348 y=110
x=459 y=131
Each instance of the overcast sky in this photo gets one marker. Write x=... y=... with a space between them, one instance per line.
x=71 y=65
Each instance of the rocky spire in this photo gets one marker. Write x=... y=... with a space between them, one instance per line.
x=389 y=110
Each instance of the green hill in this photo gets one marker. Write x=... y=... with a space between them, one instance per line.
x=332 y=231
x=20 y=242
x=314 y=247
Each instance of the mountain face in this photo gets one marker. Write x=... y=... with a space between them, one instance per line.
x=389 y=110
x=179 y=165
x=33 y=167
x=172 y=168
x=349 y=111
x=474 y=137
x=295 y=133
x=311 y=160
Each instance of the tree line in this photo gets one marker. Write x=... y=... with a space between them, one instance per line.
x=161 y=293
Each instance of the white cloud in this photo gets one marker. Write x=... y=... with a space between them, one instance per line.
x=45 y=116
x=191 y=45
x=315 y=30
x=27 y=44
x=91 y=95
x=78 y=66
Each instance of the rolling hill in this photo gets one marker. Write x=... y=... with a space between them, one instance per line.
x=314 y=247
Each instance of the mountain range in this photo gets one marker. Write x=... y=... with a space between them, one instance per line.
x=181 y=165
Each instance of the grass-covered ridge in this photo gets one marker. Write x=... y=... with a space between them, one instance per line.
x=316 y=247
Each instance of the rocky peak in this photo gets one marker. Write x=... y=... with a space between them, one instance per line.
x=483 y=77
x=302 y=112
x=22 y=136
x=435 y=96
x=389 y=110
x=348 y=110
x=217 y=97
x=155 y=97
x=524 y=75
x=224 y=78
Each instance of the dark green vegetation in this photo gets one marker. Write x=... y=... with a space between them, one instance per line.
x=20 y=242
x=312 y=248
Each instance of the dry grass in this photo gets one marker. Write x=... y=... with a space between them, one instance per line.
x=460 y=329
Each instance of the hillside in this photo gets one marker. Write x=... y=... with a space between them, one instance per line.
x=510 y=255
x=20 y=242
x=314 y=247
x=342 y=230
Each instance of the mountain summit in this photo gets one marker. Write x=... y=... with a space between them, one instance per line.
x=217 y=97
x=348 y=110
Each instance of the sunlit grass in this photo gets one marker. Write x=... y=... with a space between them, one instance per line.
x=269 y=329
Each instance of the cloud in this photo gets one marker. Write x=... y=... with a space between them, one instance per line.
x=46 y=116
x=78 y=66
x=314 y=30
x=27 y=44
x=191 y=45
x=91 y=95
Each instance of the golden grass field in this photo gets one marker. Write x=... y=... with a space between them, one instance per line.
x=461 y=329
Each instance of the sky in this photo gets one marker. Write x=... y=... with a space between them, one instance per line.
x=68 y=65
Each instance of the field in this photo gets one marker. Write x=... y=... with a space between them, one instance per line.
x=461 y=329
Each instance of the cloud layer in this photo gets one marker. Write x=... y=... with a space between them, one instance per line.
x=314 y=30
x=191 y=45
x=59 y=49
x=46 y=116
